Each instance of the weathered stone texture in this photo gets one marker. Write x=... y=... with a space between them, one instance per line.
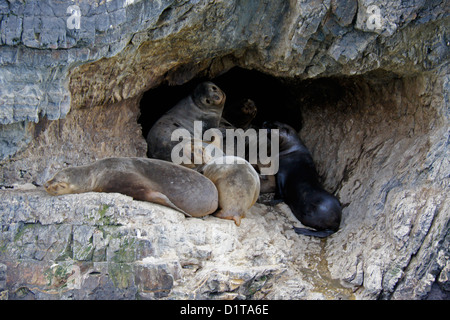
x=371 y=79
x=107 y=246
x=386 y=154
x=84 y=136
x=143 y=40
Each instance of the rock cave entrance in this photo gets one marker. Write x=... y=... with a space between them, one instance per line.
x=336 y=116
x=270 y=94
x=372 y=106
x=369 y=135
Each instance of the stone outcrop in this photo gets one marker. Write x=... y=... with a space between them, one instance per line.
x=371 y=80
x=107 y=246
x=386 y=158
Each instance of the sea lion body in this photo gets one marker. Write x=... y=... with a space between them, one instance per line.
x=203 y=151
x=297 y=183
x=144 y=179
x=204 y=104
x=237 y=183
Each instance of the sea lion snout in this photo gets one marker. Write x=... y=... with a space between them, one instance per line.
x=325 y=210
x=49 y=184
x=218 y=97
x=215 y=93
x=55 y=188
x=209 y=94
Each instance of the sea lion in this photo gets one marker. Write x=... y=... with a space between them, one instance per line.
x=239 y=114
x=238 y=185
x=204 y=104
x=203 y=151
x=297 y=183
x=144 y=179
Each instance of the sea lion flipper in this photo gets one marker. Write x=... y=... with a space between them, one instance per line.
x=313 y=233
x=158 y=197
x=229 y=216
x=237 y=220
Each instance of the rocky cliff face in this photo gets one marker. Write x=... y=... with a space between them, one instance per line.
x=369 y=80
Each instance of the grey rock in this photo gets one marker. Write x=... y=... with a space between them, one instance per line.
x=106 y=29
x=11 y=28
x=150 y=251
x=13 y=137
x=378 y=132
x=344 y=11
x=350 y=46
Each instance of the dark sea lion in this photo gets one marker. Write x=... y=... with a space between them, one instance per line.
x=240 y=114
x=298 y=185
x=144 y=179
x=237 y=183
x=204 y=104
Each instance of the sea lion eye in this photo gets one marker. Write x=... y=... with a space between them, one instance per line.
x=208 y=101
x=214 y=88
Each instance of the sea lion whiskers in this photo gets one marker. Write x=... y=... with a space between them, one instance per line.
x=60 y=184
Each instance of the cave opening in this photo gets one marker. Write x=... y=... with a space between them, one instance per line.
x=319 y=109
x=272 y=97
x=356 y=127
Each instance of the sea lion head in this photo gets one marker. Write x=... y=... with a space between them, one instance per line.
x=203 y=150
x=249 y=108
x=209 y=96
x=62 y=182
x=324 y=208
x=288 y=136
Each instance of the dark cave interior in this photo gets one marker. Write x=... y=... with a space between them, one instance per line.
x=272 y=96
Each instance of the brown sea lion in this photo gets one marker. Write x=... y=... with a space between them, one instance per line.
x=204 y=104
x=144 y=179
x=297 y=183
x=238 y=185
x=197 y=153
